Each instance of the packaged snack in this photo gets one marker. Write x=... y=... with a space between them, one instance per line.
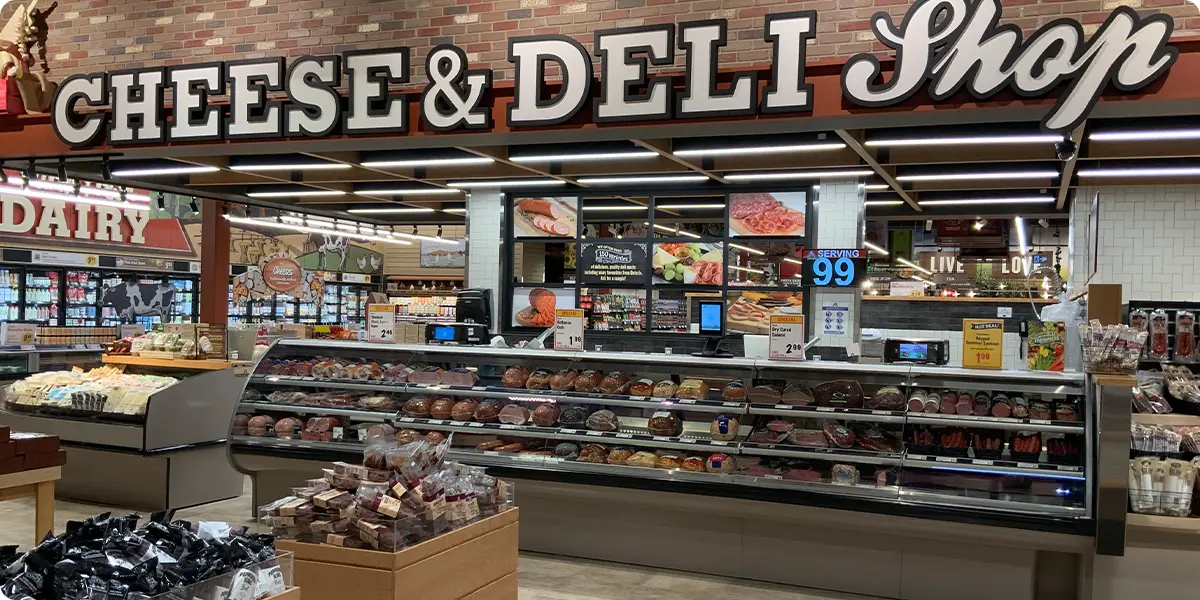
x=1046 y=345
x=1148 y=398
x=723 y=428
x=1139 y=320
x=1185 y=336
x=664 y=389
x=1158 y=348
x=692 y=389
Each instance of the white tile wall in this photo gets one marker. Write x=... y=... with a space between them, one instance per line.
x=839 y=226
x=1147 y=241
x=1013 y=359
x=485 y=216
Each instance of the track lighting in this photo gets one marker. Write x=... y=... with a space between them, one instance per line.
x=162 y=204
x=439 y=231
x=194 y=206
x=62 y=169
x=105 y=169
x=31 y=171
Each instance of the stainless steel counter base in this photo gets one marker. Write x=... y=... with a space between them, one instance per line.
x=160 y=481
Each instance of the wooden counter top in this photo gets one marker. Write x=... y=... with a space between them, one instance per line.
x=958 y=299
x=186 y=365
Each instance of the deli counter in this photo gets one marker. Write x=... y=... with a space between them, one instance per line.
x=625 y=447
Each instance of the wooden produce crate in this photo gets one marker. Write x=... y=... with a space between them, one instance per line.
x=477 y=562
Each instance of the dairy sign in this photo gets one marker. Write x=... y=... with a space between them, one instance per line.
x=66 y=223
x=943 y=46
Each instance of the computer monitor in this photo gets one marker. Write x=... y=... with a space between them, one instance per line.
x=712 y=323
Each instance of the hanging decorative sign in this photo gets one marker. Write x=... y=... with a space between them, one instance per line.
x=946 y=45
x=279 y=273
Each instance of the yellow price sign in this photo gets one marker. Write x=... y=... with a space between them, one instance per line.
x=983 y=344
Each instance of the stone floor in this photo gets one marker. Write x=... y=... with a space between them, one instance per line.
x=542 y=577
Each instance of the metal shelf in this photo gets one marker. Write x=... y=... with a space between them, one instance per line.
x=826 y=412
x=996 y=423
x=624 y=438
x=296 y=409
x=285 y=444
x=1009 y=467
x=825 y=454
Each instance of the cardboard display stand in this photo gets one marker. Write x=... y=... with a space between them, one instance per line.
x=476 y=562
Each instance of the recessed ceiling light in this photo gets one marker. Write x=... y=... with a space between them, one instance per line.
x=506 y=183
x=615 y=208
x=296 y=193
x=980 y=176
x=973 y=140
x=883 y=202
x=643 y=179
x=1141 y=172
x=431 y=162
x=761 y=150
x=688 y=206
x=769 y=176
x=914 y=265
x=385 y=211
x=312 y=166
x=180 y=170
x=987 y=201
x=584 y=156
x=1152 y=135
x=430 y=191
x=874 y=248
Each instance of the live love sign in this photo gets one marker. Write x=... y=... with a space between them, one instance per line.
x=947 y=45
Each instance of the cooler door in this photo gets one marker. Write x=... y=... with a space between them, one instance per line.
x=184 y=310
x=82 y=298
x=10 y=294
x=43 y=296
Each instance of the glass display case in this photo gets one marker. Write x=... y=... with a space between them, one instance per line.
x=1010 y=448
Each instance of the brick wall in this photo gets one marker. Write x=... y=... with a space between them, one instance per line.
x=105 y=35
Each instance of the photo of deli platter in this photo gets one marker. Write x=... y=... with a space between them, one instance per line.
x=751 y=312
x=685 y=263
x=767 y=214
x=545 y=217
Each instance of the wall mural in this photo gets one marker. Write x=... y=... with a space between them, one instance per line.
x=328 y=252
x=132 y=299
x=279 y=273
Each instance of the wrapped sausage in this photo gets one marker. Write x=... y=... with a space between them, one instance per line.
x=564 y=380
x=515 y=376
x=514 y=414
x=1157 y=342
x=841 y=393
x=603 y=420
x=1185 y=336
x=488 y=411
x=539 y=380
x=735 y=391
x=692 y=389
x=442 y=408
x=545 y=415
x=724 y=428
x=616 y=382
x=589 y=381
x=463 y=410
x=665 y=423
x=664 y=389
x=418 y=406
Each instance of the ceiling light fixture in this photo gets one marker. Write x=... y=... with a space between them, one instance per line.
x=48 y=195
x=643 y=179
x=987 y=201
x=774 y=176
x=689 y=206
x=747 y=249
x=307 y=229
x=1019 y=223
x=630 y=208
x=194 y=205
x=151 y=171
x=506 y=183
x=408 y=192
x=300 y=193
x=976 y=140
x=388 y=211
x=62 y=169
x=1141 y=172
x=909 y=263
x=746 y=269
x=1047 y=174
x=872 y=187
x=313 y=166
x=793 y=261
x=874 y=248
x=74 y=188
x=431 y=162
x=978 y=225
x=883 y=202
x=760 y=150
x=583 y=156
x=455 y=211
x=1151 y=135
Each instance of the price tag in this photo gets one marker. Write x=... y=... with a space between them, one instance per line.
x=985 y=463
x=625 y=435
x=474 y=424
x=918 y=457
x=507 y=426
x=478 y=388
x=787 y=338
x=946 y=459
x=718 y=443
x=825 y=409
x=568 y=329
x=19 y=334
x=1027 y=465
x=687 y=401
x=772 y=476
x=783 y=406
x=595 y=433
x=381 y=323
x=983 y=344
x=1039 y=421
x=733 y=404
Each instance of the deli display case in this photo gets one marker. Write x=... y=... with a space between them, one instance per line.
x=1009 y=453
x=139 y=432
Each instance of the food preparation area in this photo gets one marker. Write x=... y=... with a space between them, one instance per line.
x=542 y=577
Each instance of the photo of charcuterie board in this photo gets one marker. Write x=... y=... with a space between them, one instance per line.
x=545 y=217
x=767 y=214
x=688 y=263
x=752 y=311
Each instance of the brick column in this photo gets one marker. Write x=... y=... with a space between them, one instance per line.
x=214 y=264
x=485 y=239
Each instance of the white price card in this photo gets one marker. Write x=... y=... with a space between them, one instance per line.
x=568 y=329
x=381 y=323
x=787 y=338
x=19 y=334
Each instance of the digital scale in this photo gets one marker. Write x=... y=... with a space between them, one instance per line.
x=929 y=352
x=457 y=334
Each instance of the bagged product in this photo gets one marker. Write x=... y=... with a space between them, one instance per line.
x=1158 y=348
x=1185 y=336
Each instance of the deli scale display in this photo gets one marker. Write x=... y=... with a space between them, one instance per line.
x=1006 y=453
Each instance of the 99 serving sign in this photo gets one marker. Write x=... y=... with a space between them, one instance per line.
x=603 y=263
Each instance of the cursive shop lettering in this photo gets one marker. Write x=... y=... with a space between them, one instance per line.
x=947 y=45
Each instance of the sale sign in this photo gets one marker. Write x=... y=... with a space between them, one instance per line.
x=787 y=338
x=568 y=329
x=381 y=323
x=983 y=344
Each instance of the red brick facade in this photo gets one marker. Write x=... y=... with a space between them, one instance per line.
x=105 y=35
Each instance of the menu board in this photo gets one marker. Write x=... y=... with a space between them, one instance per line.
x=607 y=263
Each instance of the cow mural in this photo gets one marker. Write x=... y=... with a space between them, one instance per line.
x=335 y=245
x=132 y=299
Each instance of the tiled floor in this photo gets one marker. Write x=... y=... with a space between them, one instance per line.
x=542 y=577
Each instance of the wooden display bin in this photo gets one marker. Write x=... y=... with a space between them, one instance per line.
x=292 y=593
x=477 y=562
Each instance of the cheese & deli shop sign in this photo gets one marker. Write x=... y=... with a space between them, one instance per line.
x=607 y=263
x=941 y=46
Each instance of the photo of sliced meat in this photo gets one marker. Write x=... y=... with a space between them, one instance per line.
x=767 y=214
x=545 y=217
x=745 y=205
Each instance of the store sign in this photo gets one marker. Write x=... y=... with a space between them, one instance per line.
x=613 y=263
x=63 y=259
x=381 y=323
x=983 y=344
x=946 y=45
x=137 y=262
x=19 y=334
x=833 y=268
x=786 y=341
x=282 y=274
x=568 y=329
x=1014 y=265
x=68 y=223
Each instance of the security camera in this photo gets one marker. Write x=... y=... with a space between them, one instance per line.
x=1066 y=150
